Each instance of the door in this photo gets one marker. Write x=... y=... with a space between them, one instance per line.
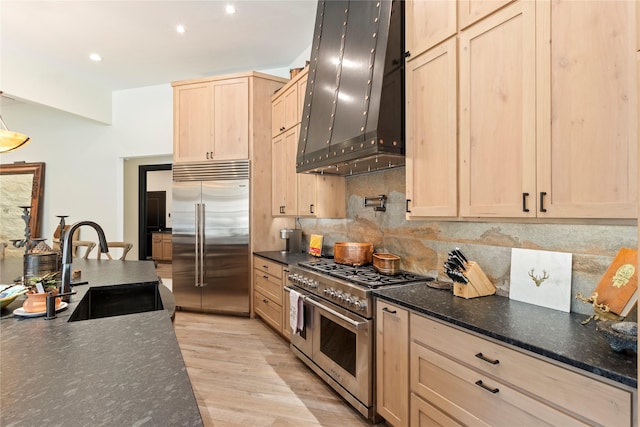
x=226 y=276
x=186 y=200
x=156 y=214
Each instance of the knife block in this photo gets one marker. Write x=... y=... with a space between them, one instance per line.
x=479 y=285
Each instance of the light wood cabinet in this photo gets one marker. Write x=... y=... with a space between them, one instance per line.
x=211 y=120
x=284 y=191
x=547 y=123
x=428 y=23
x=431 y=126
x=392 y=363
x=296 y=194
x=470 y=11
x=267 y=289
x=161 y=246
x=321 y=196
x=271 y=302
x=587 y=152
x=497 y=114
x=476 y=381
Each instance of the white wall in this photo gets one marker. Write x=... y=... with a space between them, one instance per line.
x=84 y=159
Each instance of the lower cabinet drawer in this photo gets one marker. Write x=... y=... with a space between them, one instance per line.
x=474 y=398
x=270 y=286
x=585 y=397
x=424 y=414
x=268 y=310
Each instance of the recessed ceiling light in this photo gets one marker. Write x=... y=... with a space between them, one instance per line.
x=181 y=29
x=95 y=57
x=230 y=9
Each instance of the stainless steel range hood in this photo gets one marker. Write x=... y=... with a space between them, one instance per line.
x=353 y=115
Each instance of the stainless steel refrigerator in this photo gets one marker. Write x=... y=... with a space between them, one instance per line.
x=211 y=236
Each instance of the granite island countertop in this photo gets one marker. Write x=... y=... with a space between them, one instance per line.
x=121 y=370
x=551 y=333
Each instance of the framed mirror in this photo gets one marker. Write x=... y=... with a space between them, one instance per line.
x=21 y=184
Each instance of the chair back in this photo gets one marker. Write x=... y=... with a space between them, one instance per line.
x=79 y=244
x=120 y=247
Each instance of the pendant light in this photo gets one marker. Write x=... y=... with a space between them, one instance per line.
x=10 y=140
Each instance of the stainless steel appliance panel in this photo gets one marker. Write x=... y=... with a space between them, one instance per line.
x=226 y=277
x=186 y=198
x=211 y=236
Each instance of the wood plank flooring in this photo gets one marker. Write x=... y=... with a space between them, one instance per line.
x=244 y=374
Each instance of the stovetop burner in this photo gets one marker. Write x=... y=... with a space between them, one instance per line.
x=365 y=275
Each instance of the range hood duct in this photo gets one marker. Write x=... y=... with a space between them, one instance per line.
x=353 y=115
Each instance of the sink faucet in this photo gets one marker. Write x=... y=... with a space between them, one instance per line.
x=67 y=249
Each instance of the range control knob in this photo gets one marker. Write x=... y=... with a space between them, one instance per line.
x=313 y=284
x=361 y=305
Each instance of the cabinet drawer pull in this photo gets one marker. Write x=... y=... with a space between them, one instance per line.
x=389 y=311
x=311 y=208
x=486 y=359
x=542 y=208
x=266 y=277
x=479 y=383
x=524 y=202
x=265 y=266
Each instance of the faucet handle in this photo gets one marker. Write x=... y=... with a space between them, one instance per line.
x=51 y=303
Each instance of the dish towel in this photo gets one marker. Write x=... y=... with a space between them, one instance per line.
x=296 y=314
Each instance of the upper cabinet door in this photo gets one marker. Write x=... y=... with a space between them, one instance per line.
x=497 y=114
x=231 y=119
x=587 y=114
x=192 y=132
x=431 y=149
x=470 y=11
x=428 y=23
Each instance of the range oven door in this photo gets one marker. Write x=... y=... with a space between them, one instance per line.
x=342 y=347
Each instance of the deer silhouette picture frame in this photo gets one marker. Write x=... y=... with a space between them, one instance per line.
x=541 y=277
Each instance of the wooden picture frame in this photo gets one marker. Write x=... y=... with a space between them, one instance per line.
x=34 y=196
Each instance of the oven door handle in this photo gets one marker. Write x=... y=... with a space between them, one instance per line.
x=357 y=325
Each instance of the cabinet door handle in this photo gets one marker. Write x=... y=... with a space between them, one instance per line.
x=207 y=155
x=265 y=266
x=266 y=277
x=479 y=383
x=281 y=209
x=542 y=208
x=389 y=311
x=267 y=302
x=486 y=359
x=524 y=202
x=407 y=54
x=311 y=208
x=407 y=207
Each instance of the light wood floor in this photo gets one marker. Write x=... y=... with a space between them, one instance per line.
x=244 y=374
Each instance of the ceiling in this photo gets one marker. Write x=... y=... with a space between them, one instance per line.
x=139 y=44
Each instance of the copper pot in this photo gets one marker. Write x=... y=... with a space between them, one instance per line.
x=355 y=254
x=386 y=263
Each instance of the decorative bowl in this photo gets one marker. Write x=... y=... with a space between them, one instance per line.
x=11 y=293
x=620 y=335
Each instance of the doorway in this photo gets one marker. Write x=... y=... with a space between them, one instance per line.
x=151 y=210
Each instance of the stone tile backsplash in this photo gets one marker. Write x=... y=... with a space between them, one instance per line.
x=423 y=245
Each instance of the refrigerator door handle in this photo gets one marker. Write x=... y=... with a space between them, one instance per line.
x=202 y=244
x=197 y=249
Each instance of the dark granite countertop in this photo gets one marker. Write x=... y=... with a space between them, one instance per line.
x=286 y=257
x=121 y=370
x=551 y=333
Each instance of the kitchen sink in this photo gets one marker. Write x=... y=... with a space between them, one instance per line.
x=108 y=301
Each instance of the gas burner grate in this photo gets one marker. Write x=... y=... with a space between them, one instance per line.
x=365 y=275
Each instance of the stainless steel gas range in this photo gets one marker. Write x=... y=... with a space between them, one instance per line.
x=336 y=340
